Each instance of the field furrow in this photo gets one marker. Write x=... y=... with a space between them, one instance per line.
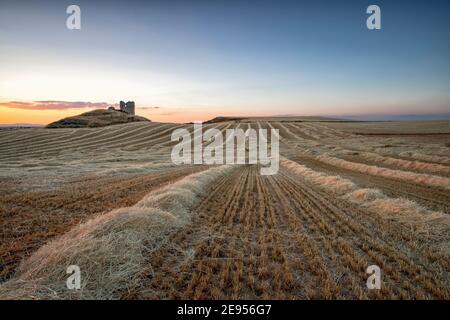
x=275 y=237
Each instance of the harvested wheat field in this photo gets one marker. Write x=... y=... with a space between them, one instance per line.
x=347 y=195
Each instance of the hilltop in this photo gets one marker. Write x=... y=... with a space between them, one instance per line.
x=276 y=118
x=96 y=118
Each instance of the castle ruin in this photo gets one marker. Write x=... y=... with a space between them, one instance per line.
x=127 y=107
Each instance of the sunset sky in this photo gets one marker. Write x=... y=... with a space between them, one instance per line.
x=193 y=60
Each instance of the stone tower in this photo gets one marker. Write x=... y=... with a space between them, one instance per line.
x=127 y=107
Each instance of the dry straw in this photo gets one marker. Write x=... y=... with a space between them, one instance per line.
x=419 y=178
x=372 y=199
x=112 y=249
x=407 y=164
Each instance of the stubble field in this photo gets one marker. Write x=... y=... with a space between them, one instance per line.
x=347 y=196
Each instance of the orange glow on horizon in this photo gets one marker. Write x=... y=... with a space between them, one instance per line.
x=43 y=117
x=13 y=115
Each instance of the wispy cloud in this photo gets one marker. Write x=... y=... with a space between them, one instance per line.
x=53 y=105
x=149 y=108
x=169 y=113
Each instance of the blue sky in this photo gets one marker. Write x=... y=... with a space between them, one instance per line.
x=200 y=58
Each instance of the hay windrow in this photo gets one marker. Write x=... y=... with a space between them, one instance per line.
x=407 y=164
x=111 y=249
x=425 y=157
x=373 y=199
x=419 y=178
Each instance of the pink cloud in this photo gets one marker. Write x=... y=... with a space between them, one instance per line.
x=53 y=105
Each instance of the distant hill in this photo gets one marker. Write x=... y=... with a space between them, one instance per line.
x=289 y=118
x=223 y=119
x=20 y=125
x=273 y=118
x=96 y=118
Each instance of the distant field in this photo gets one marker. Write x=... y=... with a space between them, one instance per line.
x=292 y=119
x=272 y=119
x=403 y=127
x=110 y=200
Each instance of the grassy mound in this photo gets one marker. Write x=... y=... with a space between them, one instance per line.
x=96 y=118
